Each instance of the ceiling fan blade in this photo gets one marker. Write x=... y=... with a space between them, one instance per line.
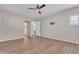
x=42 y=6
x=32 y=8
x=39 y=12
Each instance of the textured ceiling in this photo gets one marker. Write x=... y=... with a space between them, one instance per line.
x=48 y=10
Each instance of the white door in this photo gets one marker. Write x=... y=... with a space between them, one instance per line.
x=27 y=28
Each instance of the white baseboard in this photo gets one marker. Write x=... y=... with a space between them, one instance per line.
x=2 y=40
x=72 y=41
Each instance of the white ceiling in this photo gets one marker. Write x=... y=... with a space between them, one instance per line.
x=48 y=10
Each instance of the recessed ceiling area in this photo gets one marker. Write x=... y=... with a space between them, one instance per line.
x=48 y=10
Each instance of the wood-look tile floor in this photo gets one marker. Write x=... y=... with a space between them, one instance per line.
x=38 y=45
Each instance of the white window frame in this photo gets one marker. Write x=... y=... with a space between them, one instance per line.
x=74 y=20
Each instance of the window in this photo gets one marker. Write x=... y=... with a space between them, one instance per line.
x=73 y=20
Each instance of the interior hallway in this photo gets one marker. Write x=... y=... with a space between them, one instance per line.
x=37 y=45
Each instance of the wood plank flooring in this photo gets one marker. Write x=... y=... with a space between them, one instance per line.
x=38 y=45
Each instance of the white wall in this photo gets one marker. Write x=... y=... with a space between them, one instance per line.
x=61 y=30
x=11 y=25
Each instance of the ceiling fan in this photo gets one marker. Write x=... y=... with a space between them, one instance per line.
x=38 y=7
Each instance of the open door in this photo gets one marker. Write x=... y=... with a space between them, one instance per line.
x=31 y=28
x=27 y=28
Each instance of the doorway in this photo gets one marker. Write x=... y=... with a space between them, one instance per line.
x=31 y=28
x=27 y=28
x=36 y=28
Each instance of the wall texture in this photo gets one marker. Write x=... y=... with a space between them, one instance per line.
x=61 y=30
x=11 y=25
